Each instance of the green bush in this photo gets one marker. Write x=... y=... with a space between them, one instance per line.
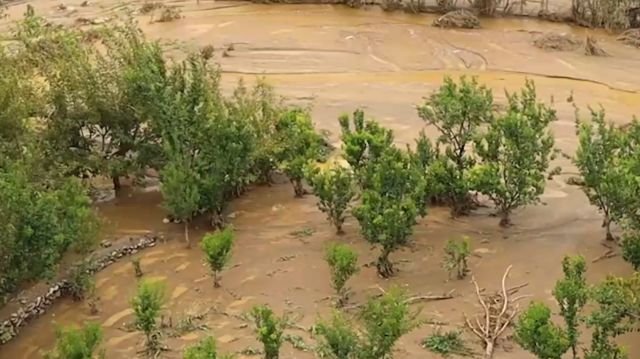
x=364 y=141
x=270 y=330
x=338 y=339
x=205 y=349
x=536 y=333
x=217 y=250
x=446 y=343
x=456 y=254
x=343 y=262
x=335 y=188
x=147 y=305
x=571 y=293
x=83 y=343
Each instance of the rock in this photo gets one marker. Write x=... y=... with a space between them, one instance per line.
x=277 y=207
x=61 y=7
x=462 y=19
x=105 y=244
x=225 y=339
x=166 y=221
x=575 y=181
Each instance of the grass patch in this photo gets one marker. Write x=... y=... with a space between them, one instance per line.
x=446 y=343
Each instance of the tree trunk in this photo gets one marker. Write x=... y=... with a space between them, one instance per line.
x=339 y=230
x=384 y=266
x=298 y=188
x=116 y=182
x=607 y=225
x=216 y=280
x=488 y=351
x=186 y=234
x=505 y=219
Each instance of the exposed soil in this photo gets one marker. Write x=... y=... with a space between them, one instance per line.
x=338 y=59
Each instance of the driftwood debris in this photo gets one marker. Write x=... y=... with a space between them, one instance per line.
x=557 y=42
x=462 y=19
x=630 y=37
x=499 y=310
x=591 y=48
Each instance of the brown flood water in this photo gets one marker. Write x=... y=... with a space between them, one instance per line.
x=337 y=59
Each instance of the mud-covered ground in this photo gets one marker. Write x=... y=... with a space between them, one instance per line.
x=337 y=59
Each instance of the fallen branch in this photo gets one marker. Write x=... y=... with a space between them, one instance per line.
x=608 y=254
x=448 y=295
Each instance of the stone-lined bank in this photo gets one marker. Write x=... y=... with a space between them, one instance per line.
x=10 y=328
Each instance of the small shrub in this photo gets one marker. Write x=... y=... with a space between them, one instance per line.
x=456 y=254
x=338 y=340
x=169 y=13
x=343 y=262
x=207 y=52
x=150 y=6
x=136 y=267
x=335 y=188
x=571 y=293
x=631 y=248
x=446 y=343
x=205 y=349
x=147 y=305
x=270 y=330
x=536 y=333
x=81 y=281
x=217 y=249
x=83 y=343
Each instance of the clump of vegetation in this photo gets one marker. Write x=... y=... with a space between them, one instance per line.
x=557 y=42
x=630 y=246
x=147 y=305
x=462 y=19
x=591 y=48
x=81 y=282
x=207 y=52
x=630 y=37
x=338 y=338
x=82 y=343
x=445 y=6
x=362 y=140
x=205 y=349
x=343 y=262
x=536 y=333
x=457 y=111
x=391 y=5
x=608 y=14
x=217 y=250
x=137 y=270
x=150 y=6
x=169 y=14
x=335 y=188
x=270 y=330
x=571 y=293
x=456 y=254
x=515 y=151
x=446 y=343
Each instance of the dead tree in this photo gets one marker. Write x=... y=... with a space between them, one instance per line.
x=499 y=310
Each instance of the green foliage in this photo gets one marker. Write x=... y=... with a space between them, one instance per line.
x=446 y=344
x=270 y=330
x=536 y=333
x=217 y=250
x=81 y=282
x=365 y=141
x=457 y=110
x=335 y=188
x=393 y=196
x=42 y=219
x=571 y=293
x=343 y=262
x=205 y=349
x=597 y=159
x=617 y=312
x=147 y=305
x=300 y=146
x=515 y=151
x=385 y=320
x=456 y=254
x=338 y=340
x=83 y=343
x=630 y=246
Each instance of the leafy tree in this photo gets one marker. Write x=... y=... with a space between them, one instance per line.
x=270 y=330
x=457 y=111
x=217 y=250
x=83 y=343
x=456 y=254
x=343 y=262
x=515 y=151
x=571 y=293
x=338 y=338
x=392 y=187
x=300 y=146
x=181 y=191
x=630 y=246
x=335 y=189
x=365 y=141
x=597 y=159
x=147 y=305
x=431 y=165
x=81 y=282
x=536 y=333
x=617 y=312
x=205 y=349
x=385 y=320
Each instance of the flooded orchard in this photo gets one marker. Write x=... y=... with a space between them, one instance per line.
x=336 y=59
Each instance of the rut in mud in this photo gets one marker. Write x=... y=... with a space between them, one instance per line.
x=337 y=59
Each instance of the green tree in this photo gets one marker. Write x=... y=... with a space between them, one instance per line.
x=335 y=188
x=270 y=330
x=457 y=111
x=392 y=187
x=300 y=146
x=456 y=254
x=217 y=250
x=515 y=152
x=571 y=293
x=338 y=339
x=630 y=246
x=597 y=159
x=205 y=349
x=72 y=343
x=343 y=263
x=365 y=141
x=181 y=191
x=147 y=305
x=385 y=320
x=81 y=282
x=536 y=333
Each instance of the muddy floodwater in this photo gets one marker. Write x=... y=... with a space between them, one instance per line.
x=337 y=59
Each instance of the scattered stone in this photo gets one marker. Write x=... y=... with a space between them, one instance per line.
x=557 y=42
x=166 y=220
x=105 y=243
x=575 y=181
x=61 y=7
x=462 y=19
x=225 y=339
x=481 y=251
x=285 y=258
